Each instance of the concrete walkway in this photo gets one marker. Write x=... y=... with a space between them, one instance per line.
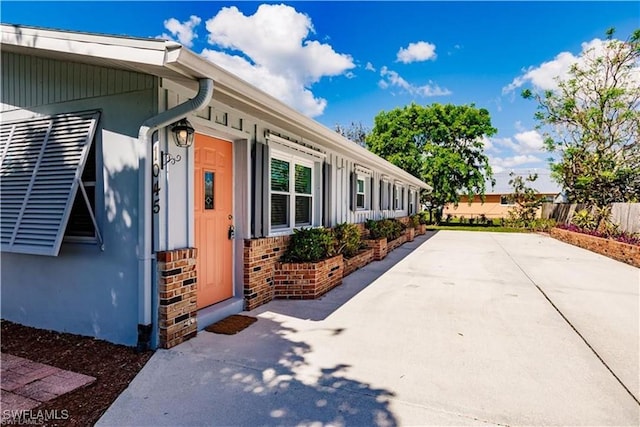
x=465 y=328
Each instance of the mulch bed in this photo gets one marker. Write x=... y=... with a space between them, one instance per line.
x=113 y=366
x=231 y=325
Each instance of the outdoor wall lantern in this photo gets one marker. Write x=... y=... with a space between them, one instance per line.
x=183 y=133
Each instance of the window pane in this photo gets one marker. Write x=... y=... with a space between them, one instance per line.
x=303 y=210
x=360 y=201
x=208 y=190
x=303 y=179
x=360 y=186
x=279 y=210
x=279 y=175
x=80 y=224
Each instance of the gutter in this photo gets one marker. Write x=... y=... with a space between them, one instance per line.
x=145 y=215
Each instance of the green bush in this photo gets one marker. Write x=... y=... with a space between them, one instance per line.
x=414 y=221
x=310 y=245
x=540 y=224
x=584 y=219
x=348 y=240
x=390 y=229
x=424 y=218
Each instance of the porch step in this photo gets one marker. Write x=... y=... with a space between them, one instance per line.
x=214 y=313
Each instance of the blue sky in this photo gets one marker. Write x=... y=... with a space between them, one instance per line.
x=340 y=62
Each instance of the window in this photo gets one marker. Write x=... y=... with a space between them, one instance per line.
x=398 y=202
x=506 y=200
x=411 y=202
x=80 y=225
x=360 y=194
x=304 y=198
x=291 y=192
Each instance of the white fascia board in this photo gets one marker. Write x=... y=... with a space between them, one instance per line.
x=141 y=51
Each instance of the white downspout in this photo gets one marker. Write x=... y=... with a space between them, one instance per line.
x=145 y=255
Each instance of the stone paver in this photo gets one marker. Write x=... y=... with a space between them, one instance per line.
x=26 y=384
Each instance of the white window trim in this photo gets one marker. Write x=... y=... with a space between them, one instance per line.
x=399 y=197
x=293 y=160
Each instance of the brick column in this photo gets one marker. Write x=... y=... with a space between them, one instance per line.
x=177 y=285
x=260 y=258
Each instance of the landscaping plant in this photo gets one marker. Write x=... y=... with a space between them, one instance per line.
x=310 y=245
x=347 y=238
x=390 y=229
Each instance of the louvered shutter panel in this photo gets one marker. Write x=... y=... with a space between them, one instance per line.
x=41 y=165
x=370 y=206
x=260 y=193
x=326 y=194
x=352 y=191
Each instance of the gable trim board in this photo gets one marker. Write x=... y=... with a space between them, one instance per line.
x=40 y=170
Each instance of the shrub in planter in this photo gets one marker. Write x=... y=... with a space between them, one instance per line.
x=390 y=229
x=310 y=245
x=348 y=240
x=414 y=221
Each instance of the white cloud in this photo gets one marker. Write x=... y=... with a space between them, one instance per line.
x=500 y=164
x=416 y=52
x=276 y=85
x=524 y=148
x=274 y=53
x=391 y=78
x=529 y=141
x=183 y=31
x=545 y=76
x=526 y=142
x=369 y=67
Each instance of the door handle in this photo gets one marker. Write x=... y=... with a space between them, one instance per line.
x=232 y=232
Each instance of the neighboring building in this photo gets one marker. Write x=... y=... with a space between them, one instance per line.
x=105 y=220
x=497 y=201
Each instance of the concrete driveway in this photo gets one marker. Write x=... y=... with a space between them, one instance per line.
x=464 y=328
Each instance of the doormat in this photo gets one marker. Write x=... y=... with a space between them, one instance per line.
x=231 y=325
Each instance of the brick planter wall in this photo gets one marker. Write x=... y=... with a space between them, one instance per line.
x=361 y=259
x=307 y=280
x=410 y=233
x=397 y=242
x=619 y=251
x=379 y=247
x=177 y=312
x=422 y=229
x=260 y=258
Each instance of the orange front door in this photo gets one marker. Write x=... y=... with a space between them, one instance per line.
x=213 y=217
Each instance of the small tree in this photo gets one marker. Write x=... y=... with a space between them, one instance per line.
x=356 y=132
x=527 y=200
x=593 y=120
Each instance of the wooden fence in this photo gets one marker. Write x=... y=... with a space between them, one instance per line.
x=626 y=215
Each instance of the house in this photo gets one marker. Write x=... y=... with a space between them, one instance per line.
x=498 y=201
x=147 y=193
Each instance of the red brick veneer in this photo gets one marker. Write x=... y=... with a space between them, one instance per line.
x=379 y=247
x=359 y=260
x=307 y=280
x=260 y=258
x=177 y=287
x=397 y=242
x=629 y=254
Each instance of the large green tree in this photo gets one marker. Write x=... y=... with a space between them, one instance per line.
x=441 y=144
x=592 y=120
